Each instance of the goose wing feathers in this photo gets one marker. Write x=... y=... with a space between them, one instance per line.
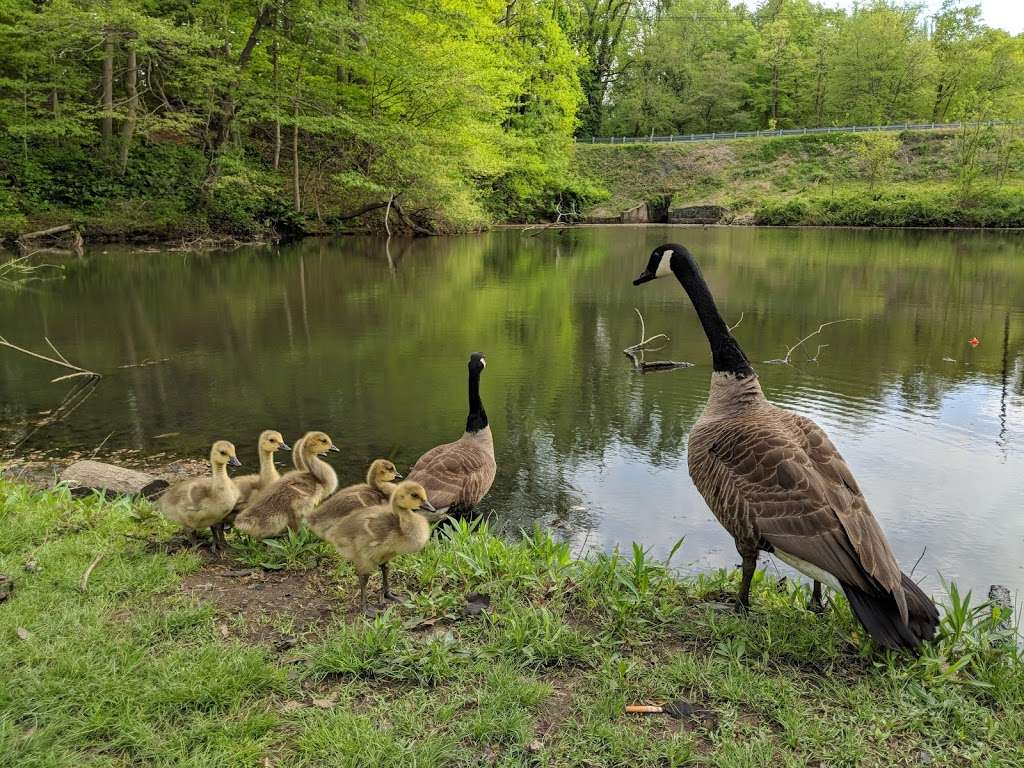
x=786 y=477
x=455 y=474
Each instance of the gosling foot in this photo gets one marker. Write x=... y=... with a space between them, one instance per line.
x=394 y=597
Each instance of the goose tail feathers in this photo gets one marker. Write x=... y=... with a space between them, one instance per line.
x=880 y=615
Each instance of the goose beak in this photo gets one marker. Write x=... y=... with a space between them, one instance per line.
x=398 y=475
x=234 y=462
x=335 y=448
x=285 y=447
x=428 y=506
x=646 y=277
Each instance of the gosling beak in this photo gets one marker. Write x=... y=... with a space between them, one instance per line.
x=335 y=448
x=285 y=447
x=428 y=506
x=234 y=462
x=646 y=277
x=398 y=475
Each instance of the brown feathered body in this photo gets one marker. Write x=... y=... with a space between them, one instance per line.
x=458 y=475
x=776 y=482
x=283 y=504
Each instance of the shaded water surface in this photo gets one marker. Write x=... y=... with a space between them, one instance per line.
x=326 y=334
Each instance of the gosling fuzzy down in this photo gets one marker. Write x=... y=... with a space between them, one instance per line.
x=370 y=537
x=283 y=504
x=270 y=441
x=379 y=485
x=203 y=502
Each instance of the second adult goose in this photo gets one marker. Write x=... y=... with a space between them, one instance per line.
x=458 y=475
x=283 y=504
x=776 y=483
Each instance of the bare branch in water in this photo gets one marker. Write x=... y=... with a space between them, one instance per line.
x=736 y=325
x=787 y=360
x=636 y=351
x=59 y=360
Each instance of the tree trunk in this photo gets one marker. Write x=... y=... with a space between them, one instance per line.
x=295 y=158
x=277 y=107
x=227 y=103
x=128 y=128
x=108 y=90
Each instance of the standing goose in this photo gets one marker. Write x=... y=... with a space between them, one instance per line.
x=458 y=475
x=203 y=502
x=270 y=442
x=776 y=483
x=379 y=485
x=370 y=537
x=285 y=503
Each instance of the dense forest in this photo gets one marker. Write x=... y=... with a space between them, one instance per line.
x=172 y=117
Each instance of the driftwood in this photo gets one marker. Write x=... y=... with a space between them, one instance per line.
x=76 y=244
x=636 y=351
x=787 y=360
x=85 y=477
x=59 y=360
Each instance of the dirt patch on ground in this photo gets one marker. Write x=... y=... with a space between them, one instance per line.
x=273 y=607
x=557 y=707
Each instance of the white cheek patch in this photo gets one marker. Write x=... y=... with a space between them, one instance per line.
x=665 y=265
x=483 y=361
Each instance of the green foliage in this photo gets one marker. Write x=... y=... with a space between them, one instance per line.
x=249 y=119
x=876 y=156
x=910 y=179
x=695 y=66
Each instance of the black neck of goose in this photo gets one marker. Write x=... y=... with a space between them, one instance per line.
x=727 y=356
x=477 y=418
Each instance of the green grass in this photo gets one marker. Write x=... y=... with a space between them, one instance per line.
x=809 y=180
x=133 y=672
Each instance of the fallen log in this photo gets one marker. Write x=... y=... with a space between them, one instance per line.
x=76 y=244
x=46 y=232
x=86 y=477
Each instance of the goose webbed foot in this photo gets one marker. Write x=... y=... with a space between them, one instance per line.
x=386 y=595
x=815 y=605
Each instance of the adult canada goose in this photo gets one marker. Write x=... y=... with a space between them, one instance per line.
x=286 y=502
x=379 y=485
x=458 y=475
x=203 y=502
x=370 y=537
x=270 y=442
x=776 y=483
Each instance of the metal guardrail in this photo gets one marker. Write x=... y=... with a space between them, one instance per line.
x=729 y=135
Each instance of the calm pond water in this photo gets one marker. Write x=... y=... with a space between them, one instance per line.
x=325 y=334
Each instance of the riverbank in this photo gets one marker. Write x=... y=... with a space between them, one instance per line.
x=907 y=179
x=508 y=653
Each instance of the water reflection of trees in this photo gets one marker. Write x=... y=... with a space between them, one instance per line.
x=324 y=333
